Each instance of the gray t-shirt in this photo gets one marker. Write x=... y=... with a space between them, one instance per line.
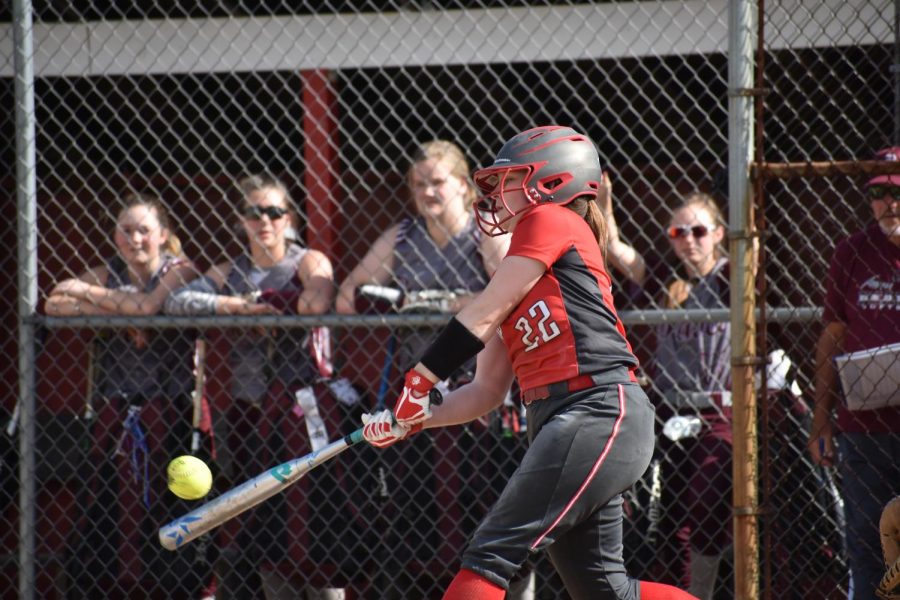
x=161 y=368
x=257 y=360
x=696 y=357
x=420 y=264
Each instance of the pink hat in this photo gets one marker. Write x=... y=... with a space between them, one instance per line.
x=892 y=154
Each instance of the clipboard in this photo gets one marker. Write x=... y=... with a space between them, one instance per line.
x=870 y=378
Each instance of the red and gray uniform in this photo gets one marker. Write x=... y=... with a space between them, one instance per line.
x=566 y=325
x=590 y=426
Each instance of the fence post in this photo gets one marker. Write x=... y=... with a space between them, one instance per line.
x=743 y=326
x=26 y=227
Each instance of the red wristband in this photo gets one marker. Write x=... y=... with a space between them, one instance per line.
x=418 y=382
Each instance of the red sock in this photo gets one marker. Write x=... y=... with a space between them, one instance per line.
x=469 y=586
x=661 y=591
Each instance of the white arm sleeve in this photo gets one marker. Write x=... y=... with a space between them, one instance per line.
x=199 y=297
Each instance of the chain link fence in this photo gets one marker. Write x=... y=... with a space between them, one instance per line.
x=181 y=102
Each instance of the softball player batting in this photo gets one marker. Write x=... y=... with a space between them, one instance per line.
x=590 y=426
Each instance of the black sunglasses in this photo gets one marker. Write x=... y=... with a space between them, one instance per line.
x=681 y=231
x=877 y=192
x=256 y=212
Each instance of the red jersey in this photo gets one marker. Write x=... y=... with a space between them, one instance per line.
x=566 y=325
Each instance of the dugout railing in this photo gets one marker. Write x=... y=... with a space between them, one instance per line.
x=181 y=99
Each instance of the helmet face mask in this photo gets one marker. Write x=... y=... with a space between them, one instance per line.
x=559 y=165
x=494 y=184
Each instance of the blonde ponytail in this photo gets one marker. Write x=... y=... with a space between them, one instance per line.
x=587 y=209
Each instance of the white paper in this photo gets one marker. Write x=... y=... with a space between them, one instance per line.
x=315 y=426
x=870 y=378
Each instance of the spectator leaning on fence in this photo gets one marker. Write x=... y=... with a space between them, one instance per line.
x=440 y=249
x=692 y=374
x=437 y=261
x=272 y=392
x=142 y=387
x=862 y=315
x=547 y=318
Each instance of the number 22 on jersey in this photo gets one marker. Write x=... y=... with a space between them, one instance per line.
x=540 y=320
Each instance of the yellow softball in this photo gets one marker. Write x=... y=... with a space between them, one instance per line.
x=189 y=477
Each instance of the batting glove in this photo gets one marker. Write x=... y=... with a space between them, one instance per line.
x=380 y=430
x=414 y=404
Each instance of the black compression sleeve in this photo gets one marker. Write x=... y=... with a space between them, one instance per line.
x=452 y=348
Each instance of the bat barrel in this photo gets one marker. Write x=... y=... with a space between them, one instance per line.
x=247 y=495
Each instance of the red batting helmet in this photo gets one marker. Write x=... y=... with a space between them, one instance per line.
x=559 y=166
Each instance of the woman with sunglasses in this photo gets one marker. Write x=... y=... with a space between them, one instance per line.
x=691 y=372
x=274 y=411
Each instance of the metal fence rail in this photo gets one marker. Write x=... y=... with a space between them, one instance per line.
x=182 y=101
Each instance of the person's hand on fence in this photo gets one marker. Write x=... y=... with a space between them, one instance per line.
x=248 y=305
x=604 y=196
x=345 y=302
x=285 y=301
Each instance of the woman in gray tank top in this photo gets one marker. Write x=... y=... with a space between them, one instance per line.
x=275 y=411
x=691 y=369
x=437 y=261
x=141 y=413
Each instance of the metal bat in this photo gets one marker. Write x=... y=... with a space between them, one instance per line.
x=247 y=495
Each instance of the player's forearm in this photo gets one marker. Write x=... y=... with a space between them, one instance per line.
x=465 y=404
x=124 y=303
x=828 y=346
x=109 y=301
x=68 y=306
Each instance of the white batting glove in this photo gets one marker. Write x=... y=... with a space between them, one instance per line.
x=380 y=430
